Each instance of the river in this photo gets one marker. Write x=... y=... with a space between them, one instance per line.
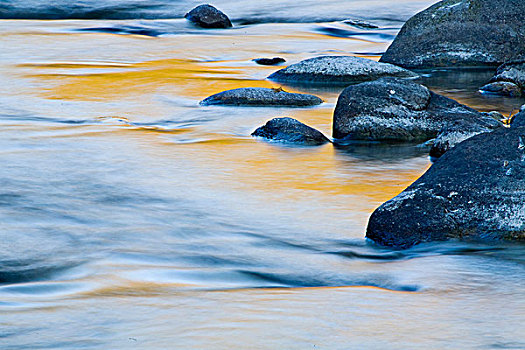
x=133 y=218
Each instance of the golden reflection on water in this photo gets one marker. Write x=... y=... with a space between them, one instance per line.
x=313 y=170
x=251 y=164
x=182 y=77
x=238 y=161
x=196 y=72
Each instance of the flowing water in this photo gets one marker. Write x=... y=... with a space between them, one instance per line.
x=133 y=218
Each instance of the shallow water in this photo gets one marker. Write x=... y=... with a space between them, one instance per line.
x=134 y=218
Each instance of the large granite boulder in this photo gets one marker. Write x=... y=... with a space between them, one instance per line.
x=207 y=16
x=261 y=97
x=509 y=80
x=461 y=33
x=475 y=191
x=392 y=109
x=338 y=70
x=290 y=130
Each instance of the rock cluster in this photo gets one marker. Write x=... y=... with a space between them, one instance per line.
x=476 y=188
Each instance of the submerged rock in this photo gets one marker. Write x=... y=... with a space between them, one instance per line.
x=475 y=191
x=461 y=33
x=508 y=81
x=360 y=24
x=392 y=109
x=261 y=97
x=207 y=16
x=290 y=130
x=338 y=70
x=269 y=61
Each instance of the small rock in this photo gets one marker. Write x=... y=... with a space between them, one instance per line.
x=269 y=61
x=503 y=88
x=290 y=130
x=360 y=24
x=390 y=109
x=486 y=173
x=461 y=33
x=261 y=97
x=338 y=70
x=509 y=80
x=207 y=16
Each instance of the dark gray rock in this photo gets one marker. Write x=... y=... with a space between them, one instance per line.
x=338 y=70
x=461 y=33
x=261 y=97
x=475 y=191
x=509 y=80
x=290 y=130
x=392 y=109
x=207 y=16
x=269 y=61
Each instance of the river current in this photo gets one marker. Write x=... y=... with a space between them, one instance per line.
x=133 y=218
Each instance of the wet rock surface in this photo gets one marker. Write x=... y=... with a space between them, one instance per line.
x=269 y=61
x=461 y=33
x=509 y=80
x=338 y=70
x=261 y=97
x=518 y=120
x=397 y=110
x=475 y=191
x=207 y=16
x=290 y=130
x=453 y=134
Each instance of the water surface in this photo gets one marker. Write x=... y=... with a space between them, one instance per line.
x=134 y=218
